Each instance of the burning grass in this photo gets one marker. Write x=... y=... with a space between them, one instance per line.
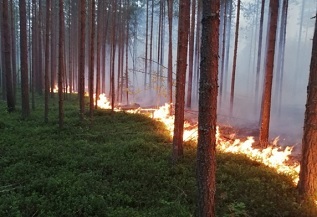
x=120 y=166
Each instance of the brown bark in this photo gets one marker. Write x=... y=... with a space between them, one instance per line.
x=266 y=104
x=307 y=184
x=207 y=118
x=6 y=34
x=24 y=61
x=183 y=30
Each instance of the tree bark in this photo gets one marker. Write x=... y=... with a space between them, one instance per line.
x=183 y=30
x=81 y=77
x=266 y=105
x=191 y=55
x=92 y=59
x=170 y=51
x=61 y=64
x=207 y=117
x=234 y=66
x=307 y=184
x=24 y=61
x=6 y=34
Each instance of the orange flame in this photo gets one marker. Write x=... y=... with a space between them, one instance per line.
x=273 y=156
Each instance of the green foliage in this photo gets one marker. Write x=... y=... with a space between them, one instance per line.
x=120 y=165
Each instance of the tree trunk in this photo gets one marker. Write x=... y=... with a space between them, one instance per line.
x=170 y=51
x=259 y=57
x=266 y=105
x=6 y=34
x=24 y=61
x=81 y=77
x=234 y=66
x=113 y=56
x=53 y=48
x=307 y=184
x=92 y=59
x=13 y=47
x=207 y=117
x=183 y=30
x=61 y=64
x=191 y=55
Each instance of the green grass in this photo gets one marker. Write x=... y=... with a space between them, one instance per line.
x=119 y=166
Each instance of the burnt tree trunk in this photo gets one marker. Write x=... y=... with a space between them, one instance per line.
x=92 y=59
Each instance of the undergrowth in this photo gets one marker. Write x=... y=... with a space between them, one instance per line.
x=119 y=165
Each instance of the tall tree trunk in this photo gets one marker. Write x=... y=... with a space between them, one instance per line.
x=146 y=43
x=127 y=55
x=170 y=51
x=61 y=64
x=307 y=184
x=6 y=34
x=191 y=55
x=47 y=53
x=99 y=35
x=113 y=55
x=266 y=104
x=182 y=45
x=234 y=66
x=92 y=60
x=281 y=54
x=223 y=52
x=207 y=117
x=81 y=77
x=259 y=57
x=151 y=45
x=13 y=47
x=53 y=48
x=24 y=61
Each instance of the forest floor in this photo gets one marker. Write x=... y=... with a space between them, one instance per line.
x=120 y=165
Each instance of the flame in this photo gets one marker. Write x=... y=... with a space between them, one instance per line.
x=273 y=156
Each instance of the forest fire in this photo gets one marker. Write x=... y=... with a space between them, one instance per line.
x=274 y=156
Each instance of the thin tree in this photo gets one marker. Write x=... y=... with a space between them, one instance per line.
x=234 y=66
x=191 y=55
x=92 y=59
x=81 y=77
x=24 y=61
x=14 y=50
x=259 y=57
x=170 y=51
x=307 y=184
x=6 y=37
x=266 y=101
x=182 y=45
x=47 y=53
x=207 y=117
x=61 y=64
